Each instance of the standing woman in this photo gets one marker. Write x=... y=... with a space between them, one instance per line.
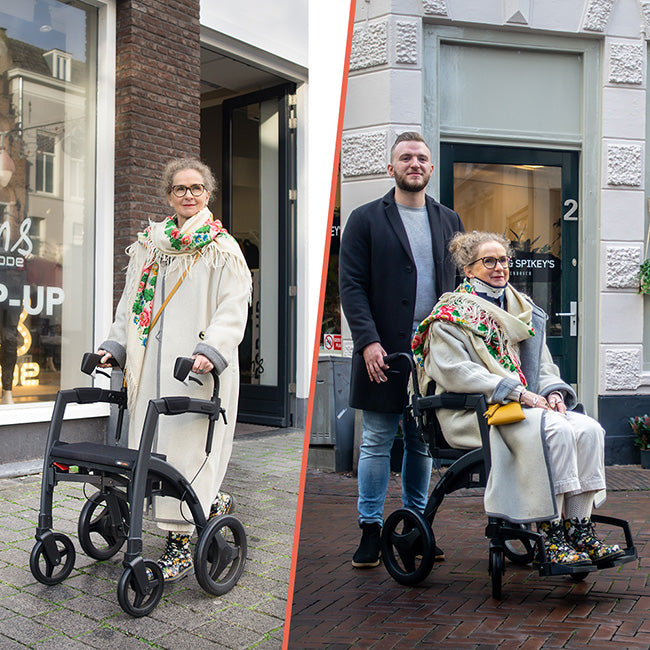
x=190 y=260
x=486 y=337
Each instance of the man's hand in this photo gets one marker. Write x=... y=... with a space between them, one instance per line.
x=373 y=355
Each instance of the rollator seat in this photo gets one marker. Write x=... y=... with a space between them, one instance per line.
x=79 y=453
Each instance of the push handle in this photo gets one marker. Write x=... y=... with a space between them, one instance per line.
x=90 y=360
x=182 y=369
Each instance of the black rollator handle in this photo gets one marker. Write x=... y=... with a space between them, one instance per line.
x=89 y=363
x=182 y=369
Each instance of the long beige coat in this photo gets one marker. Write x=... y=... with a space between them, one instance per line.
x=206 y=315
x=520 y=484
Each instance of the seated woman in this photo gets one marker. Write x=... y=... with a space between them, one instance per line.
x=486 y=337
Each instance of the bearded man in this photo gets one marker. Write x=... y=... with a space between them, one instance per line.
x=393 y=265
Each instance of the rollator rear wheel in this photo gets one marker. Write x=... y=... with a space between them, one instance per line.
x=220 y=555
x=407 y=546
x=131 y=600
x=101 y=537
x=48 y=569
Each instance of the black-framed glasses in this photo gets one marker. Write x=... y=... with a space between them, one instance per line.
x=491 y=262
x=181 y=190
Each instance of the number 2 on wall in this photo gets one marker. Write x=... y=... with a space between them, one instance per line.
x=572 y=204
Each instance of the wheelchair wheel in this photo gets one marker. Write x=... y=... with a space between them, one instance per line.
x=520 y=551
x=496 y=569
x=52 y=569
x=103 y=525
x=134 y=602
x=407 y=546
x=220 y=555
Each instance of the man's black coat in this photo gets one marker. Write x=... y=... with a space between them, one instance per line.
x=377 y=284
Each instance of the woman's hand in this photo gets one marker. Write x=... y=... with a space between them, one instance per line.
x=556 y=402
x=105 y=357
x=533 y=400
x=201 y=364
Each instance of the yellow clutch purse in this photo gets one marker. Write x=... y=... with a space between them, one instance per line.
x=504 y=413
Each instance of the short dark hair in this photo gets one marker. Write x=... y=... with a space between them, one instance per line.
x=408 y=136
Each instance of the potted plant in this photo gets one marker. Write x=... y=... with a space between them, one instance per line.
x=641 y=429
x=644 y=270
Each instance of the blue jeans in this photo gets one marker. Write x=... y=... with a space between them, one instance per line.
x=379 y=430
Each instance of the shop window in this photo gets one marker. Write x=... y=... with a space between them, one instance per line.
x=47 y=195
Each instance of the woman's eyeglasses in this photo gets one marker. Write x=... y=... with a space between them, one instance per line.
x=491 y=262
x=181 y=190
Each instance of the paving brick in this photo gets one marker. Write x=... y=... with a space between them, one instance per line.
x=83 y=612
x=334 y=604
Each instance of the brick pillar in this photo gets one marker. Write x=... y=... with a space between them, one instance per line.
x=157 y=109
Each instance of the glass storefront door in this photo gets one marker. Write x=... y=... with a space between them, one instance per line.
x=258 y=173
x=531 y=197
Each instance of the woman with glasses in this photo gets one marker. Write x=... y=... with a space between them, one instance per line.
x=486 y=337
x=186 y=294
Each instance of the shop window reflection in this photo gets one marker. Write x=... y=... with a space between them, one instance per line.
x=47 y=153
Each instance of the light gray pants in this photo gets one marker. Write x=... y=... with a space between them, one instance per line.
x=576 y=445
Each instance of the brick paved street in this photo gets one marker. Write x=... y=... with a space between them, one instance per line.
x=83 y=611
x=336 y=606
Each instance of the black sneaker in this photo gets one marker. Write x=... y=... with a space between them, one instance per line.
x=367 y=555
x=438 y=554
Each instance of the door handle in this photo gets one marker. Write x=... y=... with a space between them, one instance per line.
x=573 y=316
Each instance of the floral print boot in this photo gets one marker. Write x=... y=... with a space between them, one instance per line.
x=176 y=560
x=558 y=550
x=224 y=504
x=581 y=535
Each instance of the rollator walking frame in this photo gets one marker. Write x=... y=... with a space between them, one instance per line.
x=408 y=541
x=127 y=479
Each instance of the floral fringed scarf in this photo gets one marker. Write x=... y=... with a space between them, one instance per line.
x=165 y=248
x=481 y=319
x=189 y=242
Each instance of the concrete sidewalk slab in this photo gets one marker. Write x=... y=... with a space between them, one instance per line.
x=336 y=606
x=83 y=612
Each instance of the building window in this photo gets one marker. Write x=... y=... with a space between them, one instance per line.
x=48 y=110
x=44 y=168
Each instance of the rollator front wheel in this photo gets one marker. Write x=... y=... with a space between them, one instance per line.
x=52 y=562
x=407 y=546
x=220 y=555
x=496 y=570
x=134 y=601
x=103 y=525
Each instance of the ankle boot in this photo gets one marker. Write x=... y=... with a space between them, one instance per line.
x=224 y=504
x=581 y=535
x=176 y=560
x=558 y=551
x=367 y=555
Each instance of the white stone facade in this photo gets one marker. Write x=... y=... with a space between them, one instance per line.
x=390 y=90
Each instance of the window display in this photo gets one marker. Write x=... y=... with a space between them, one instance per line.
x=47 y=194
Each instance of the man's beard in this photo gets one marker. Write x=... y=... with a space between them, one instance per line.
x=401 y=180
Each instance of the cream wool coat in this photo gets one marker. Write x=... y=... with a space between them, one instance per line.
x=207 y=315
x=520 y=485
